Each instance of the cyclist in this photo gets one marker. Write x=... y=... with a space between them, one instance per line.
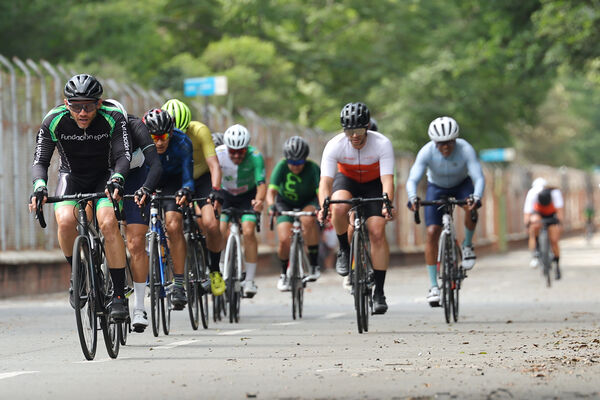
x=94 y=150
x=217 y=138
x=207 y=183
x=244 y=188
x=293 y=185
x=144 y=173
x=175 y=152
x=452 y=170
x=359 y=163
x=543 y=201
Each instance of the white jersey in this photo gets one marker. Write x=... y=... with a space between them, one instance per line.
x=532 y=198
x=375 y=159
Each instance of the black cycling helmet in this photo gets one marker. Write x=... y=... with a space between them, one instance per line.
x=295 y=148
x=545 y=197
x=355 y=115
x=83 y=87
x=373 y=125
x=158 y=121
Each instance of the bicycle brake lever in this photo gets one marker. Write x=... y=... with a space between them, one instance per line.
x=39 y=213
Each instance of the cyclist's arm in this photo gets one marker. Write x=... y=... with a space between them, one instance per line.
x=387 y=182
x=271 y=194
x=416 y=173
x=187 y=169
x=215 y=171
x=325 y=185
x=152 y=160
x=120 y=146
x=275 y=181
x=475 y=172
x=559 y=203
x=43 y=155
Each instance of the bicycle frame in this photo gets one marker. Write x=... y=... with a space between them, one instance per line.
x=156 y=227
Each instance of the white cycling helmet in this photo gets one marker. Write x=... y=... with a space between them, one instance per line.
x=539 y=182
x=443 y=129
x=118 y=105
x=236 y=137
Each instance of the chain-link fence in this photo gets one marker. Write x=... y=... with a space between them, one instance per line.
x=28 y=90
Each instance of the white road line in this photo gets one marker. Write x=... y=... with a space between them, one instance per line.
x=16 y=373
x=286 y=323
x=174 y=344
x=333 y=315
x=236 y=332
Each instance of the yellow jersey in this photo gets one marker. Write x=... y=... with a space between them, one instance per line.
x=203 y=146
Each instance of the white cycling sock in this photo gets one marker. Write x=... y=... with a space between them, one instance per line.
x=140 y=293
x=250 y=271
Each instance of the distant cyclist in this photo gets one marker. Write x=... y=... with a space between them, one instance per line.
x=94 y=149
x=452 y=170
x=175 y=151
x=244 y=188
x=207 y=183
x=217 y=138
x=293 y=185
x=144 y=173
x=359 y=163
x=543 y=201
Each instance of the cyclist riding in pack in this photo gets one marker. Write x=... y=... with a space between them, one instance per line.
x=244 y=188
x=144 y=173
x=94 y=149
x=359 y=163
x=452 y=169
x=207 y=183
x=293 y=185
x=543 y=201
x=175 y=152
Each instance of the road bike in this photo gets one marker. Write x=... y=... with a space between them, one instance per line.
x=449 y=258
x=92 y=285
x=234 y=261
x=299 y=263
x=361 y=266
x=546 y=255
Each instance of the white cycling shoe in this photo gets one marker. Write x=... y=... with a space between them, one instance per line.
x=347 y=283
x=468 y=260
x=249 y=289
x=139 y=321
x=433 y=297
x=283 y=284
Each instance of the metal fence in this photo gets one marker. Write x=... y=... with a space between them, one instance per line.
x=29 y=89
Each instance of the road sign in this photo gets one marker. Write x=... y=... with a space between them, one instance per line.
x=205 y=86
x=497 y=155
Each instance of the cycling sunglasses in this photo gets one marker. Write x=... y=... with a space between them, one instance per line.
x=164 y=136
x=77 y=107
x=236 y=151
x=296 y=162
x=355 y=132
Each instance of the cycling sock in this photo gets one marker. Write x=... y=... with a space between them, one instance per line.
x=69 y=260
x=139 y=288
x=215 y=256
x=468 y=237
x=178 y=280
x=343 y=239
x=250 y=271
x=118 y=279
x=379 y=281
x=313 y=254
x=284 y=265
x=432 y=269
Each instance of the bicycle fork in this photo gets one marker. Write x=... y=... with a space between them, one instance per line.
x=234 y=238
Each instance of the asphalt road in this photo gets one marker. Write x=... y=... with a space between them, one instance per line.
x=516 y=339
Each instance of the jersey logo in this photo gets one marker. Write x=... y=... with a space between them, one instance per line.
x=289 y=189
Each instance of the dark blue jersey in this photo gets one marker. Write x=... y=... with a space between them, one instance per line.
x=178 y=159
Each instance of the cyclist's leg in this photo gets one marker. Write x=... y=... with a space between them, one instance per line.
x=342 y=190
x=209 y=223
x=554 y=236
x=463 y=191
x=535 y=224
x=433 y=221
x=311 y=237
x=284 y=235
x=66 y=217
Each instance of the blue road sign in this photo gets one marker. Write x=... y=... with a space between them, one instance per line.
x=205 y=86
x=497 y=155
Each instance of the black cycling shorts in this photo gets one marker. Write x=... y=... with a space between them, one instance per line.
x=169 y=185
x=203 y=185
x=372 y=188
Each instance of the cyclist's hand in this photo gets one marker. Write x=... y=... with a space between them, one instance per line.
x=389 y=215
x=321 y=217
x=272 y=209
x=473 y=203
x=141 y=195
x=39 y=195
x=258 y=205
x=183 y=196
x=216 y=196
x=413 y=204
x=114 y=188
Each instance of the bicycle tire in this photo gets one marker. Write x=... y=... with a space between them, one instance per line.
x=166 y=303
x=300 y=290
x=544 y=242
x=446 y=277
x=203 y=275
x=83 y=289
x=126 y=325
x=457 y=274
x=356 y=270
x=110 y=328
x=192 y=283
x=218 y=303
x=365 y=291
x=293 y=265
x=154 y=284
x=110 y=331
x=232 y=294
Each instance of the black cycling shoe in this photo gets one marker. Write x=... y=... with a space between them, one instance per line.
x=341 y=264
x=379 y=304
x=178 y=298
x=118 y=311
x=557 y=273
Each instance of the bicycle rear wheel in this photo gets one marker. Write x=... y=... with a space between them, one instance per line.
x=544 y=242
x=233 y=295
x=192 y=283
x=84 y=297
x=203 y=275
x=166 y=304
x=457 y=276
x=110 y=328
x=125 y=327
x=155 y=286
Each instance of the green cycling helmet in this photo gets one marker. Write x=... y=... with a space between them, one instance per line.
x=180 y=112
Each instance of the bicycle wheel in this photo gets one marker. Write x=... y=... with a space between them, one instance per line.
x=231 y=281
x=457 y=276
x=294 y=273
x=110 y=331
x=125 y=327
x=192 y=283
x=202 y=276
x=544 y=242
x=365 y=291
x=446 y=277
x=85 y=298
x=218 y=306
x=155 y=286
x=110 y=328
x=166 y=305
x=300 y=282
x=357 y=272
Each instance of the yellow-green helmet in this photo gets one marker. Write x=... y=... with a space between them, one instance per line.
x=180 y=112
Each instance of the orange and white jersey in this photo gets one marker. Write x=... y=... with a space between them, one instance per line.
x=531 y=203
x=375 y=159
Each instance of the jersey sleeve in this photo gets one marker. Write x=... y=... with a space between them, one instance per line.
x=43 y=154
x=416 y=172
x=529 y=201
x=557 y=198
x=386 y=161
x=475 y=171
x=205 y=140
x=187 y=166
x=329 y=159
x=277 y=175
x=120 y=145
x=316 y=176
x=259 y=167
x=142 y=139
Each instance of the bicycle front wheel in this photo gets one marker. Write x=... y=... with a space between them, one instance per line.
x=357 y=270
x=544 y=242
x=192 y=283
x=203 y=275
x=233 y=294
x=293 y=274
x=155 y=286
x=166 y=305
x=84 y=297
x=446 y=277
x=366 y=300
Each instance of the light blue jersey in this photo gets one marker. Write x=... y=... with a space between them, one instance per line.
x=446 y=172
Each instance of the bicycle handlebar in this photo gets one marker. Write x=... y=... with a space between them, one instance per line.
x=240 y=212
x=354 y=202
x=441 y=203
x=293 y=214
x=39 y=211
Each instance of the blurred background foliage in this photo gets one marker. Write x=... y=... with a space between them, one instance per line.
x=522 y=73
